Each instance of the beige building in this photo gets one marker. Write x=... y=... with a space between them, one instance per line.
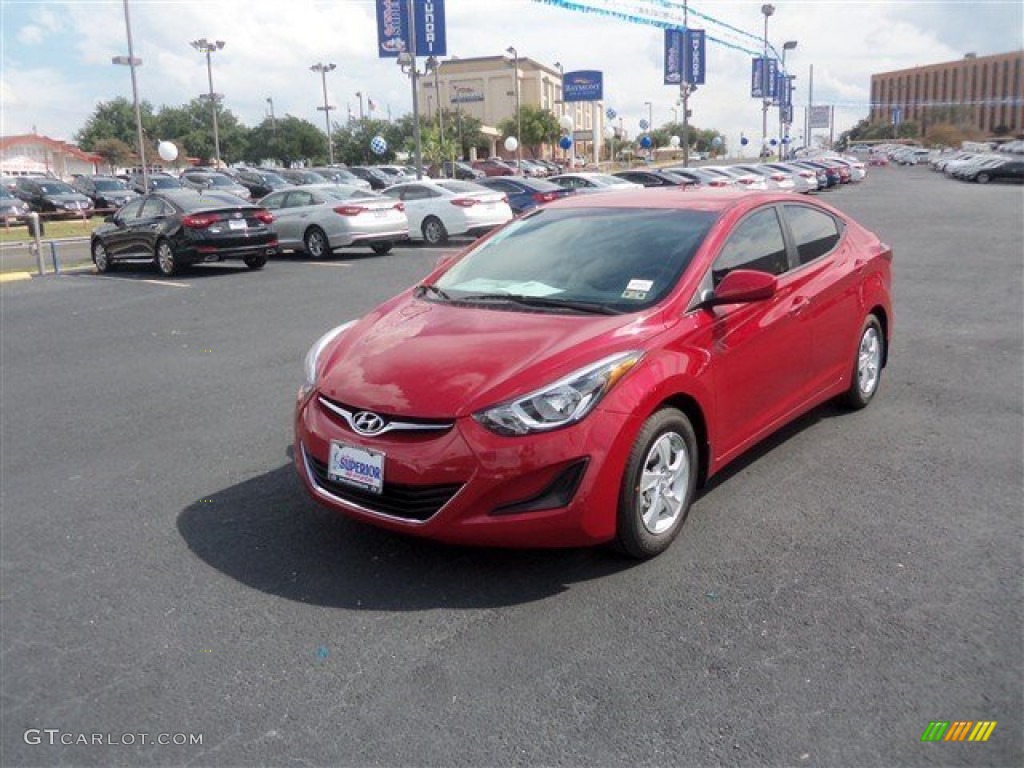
x=484 y=88
x=991 y=87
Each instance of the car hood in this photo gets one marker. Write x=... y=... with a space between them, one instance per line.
x=431 y=360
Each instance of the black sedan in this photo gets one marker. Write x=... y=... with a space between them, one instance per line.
x=13 y=210
x=377 y=178
x=53 y=198
x=106 y=192
x=177 y=228
x=1009 y=170
x=157 y=181
x=259 y=182
x=655 y=178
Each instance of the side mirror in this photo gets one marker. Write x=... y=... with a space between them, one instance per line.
x=742 y=286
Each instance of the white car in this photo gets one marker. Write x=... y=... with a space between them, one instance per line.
x=318 y=218
x=445 y=207
x=591 y=181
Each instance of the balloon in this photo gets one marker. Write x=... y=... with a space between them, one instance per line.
x=744 y=140
x=168 y=151
x=609 y=132
x=565 y=142
x=378 y=146
x=511 y=143
x=645 y=142
x=565 y=122
x=674 y=141
x=786 y=139
x=773 y=142
x=717 y=141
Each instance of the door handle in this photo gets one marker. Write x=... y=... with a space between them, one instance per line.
x=800 y=303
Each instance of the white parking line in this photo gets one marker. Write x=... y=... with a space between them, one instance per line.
x=324 y=263
x=165 y=283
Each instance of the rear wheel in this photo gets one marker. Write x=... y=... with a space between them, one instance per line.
x=381 y=248
x=316 y=243
x=433 y=231
x=100 y=257
x=659 y=484
x=256 y=262
x=867 y=365
x=166 y=262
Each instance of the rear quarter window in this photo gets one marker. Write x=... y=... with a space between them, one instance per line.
x=815 y=232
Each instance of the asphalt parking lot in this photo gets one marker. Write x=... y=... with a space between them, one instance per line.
x=852 y=579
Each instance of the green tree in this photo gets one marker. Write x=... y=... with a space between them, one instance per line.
x=115 y=119
x=540 y=126
x=114 y=151
x=288 y=140
x=192 y=125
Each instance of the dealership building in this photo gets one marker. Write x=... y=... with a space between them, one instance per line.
x=986 y=90
x=485 y=88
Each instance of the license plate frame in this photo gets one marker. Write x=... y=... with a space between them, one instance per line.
x=356 y=466
x=237 y=224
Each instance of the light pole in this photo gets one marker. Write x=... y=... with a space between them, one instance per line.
x=789 y=45
x=273 y=126
x=360 y=95
x=767 y=10
x=519 y=116
x=205 y=46
x=132 y=63
x=650 y=127
x=433 y=65
x=323 y=69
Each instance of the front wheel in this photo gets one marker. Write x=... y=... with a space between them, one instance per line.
x=658 y=485
x=381 y=248
x=100 y=257
x=983 y=178
x=165 y=259
x=256 y=262
x=433 y=231
x=316 y=243
x=867 y=365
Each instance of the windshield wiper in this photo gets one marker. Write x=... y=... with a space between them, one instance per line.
x=424 y=288
x=590 y=307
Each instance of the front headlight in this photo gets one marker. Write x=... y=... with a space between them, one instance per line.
x=564 y=402
x=313 y=356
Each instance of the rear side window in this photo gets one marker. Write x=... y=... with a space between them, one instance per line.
x=815 y=232
x=757 y=244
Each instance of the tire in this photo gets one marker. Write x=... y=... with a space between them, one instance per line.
x=316 y=243
x=166 y=261
x=100 y=257
x=256 y=262
x=381 y=248
x=983 y=178
x=658 y=485
x=867 y=366
x=433 y=231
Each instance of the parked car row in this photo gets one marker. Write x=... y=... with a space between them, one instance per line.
x=980 y=167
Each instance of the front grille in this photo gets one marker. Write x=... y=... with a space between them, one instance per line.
x=406 y=502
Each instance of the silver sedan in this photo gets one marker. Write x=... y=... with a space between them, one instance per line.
x=318 y=218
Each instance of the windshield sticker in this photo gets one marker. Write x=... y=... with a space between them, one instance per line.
x=634 y=295
x=640 y=285
x=512 y=287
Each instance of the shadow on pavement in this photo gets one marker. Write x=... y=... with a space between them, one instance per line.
x=267 y=534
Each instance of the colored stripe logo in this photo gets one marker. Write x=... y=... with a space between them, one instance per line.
x=958 y=730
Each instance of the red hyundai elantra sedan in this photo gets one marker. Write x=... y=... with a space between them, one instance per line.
x=572 y=378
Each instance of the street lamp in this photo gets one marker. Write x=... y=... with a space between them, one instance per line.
x=789 y=45
x=323 y=69
x=132 y=63
x=205 y=46
x=650 y=126
x=767 y=10
x=561 y=87
x=519 y=116
x=433 y=65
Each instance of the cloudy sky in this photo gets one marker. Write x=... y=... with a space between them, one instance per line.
x=56 y=56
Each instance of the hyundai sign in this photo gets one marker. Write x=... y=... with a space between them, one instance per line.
x=393 y=28
x=693 y=62
x=673 y=56
x=583 y=85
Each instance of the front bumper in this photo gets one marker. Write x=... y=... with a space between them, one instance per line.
x=467 y=485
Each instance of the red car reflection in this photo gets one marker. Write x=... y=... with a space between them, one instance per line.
x=573 y=378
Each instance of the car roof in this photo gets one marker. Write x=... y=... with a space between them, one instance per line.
x=679 y=198
x=189 y=198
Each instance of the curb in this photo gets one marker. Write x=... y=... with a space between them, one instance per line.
x=11 y=277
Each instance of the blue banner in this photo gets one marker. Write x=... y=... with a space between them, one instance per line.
x=757 y=78
x=393 y=28
x=674 y=56
x=771 y=78
x=583 y=85
x=694 y=61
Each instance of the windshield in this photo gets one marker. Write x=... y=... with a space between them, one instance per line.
x=347 y=193
x=109 y=185
x=621 y=259
x=163 y=182
x=55 y=188
x=221 y=181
